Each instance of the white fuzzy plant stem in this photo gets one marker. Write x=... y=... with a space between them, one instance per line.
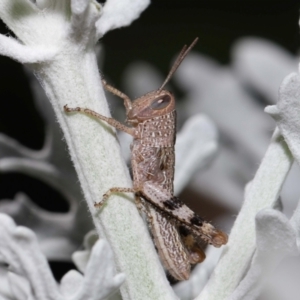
x=59 y=37
x=98 y=162
x=262 y=192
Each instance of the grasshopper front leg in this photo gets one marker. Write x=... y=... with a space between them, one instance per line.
x=115 y=124
x=110 y=121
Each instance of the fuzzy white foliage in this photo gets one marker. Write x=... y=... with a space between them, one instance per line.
x=30 y=277
x=275 y=239
x=262 y=193
x=196 y=146
x=81 y=258
x=118 y=14
x=286 y=112
x=24 y=54
x=262 y=65
x=64 y=37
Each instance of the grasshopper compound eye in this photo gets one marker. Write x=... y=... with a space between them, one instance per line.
x=161 y=103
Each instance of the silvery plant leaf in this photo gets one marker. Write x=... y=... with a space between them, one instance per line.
x=275 y=239
x=25 y=273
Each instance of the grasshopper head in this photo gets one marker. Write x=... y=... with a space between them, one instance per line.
x=151 y=105
x=159 y=102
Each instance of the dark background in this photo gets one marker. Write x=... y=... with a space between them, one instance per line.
x=166 y=25
x=161 y=31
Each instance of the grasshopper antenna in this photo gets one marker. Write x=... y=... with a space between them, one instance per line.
x=183 y=53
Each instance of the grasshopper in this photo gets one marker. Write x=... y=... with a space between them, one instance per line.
x=177 y=231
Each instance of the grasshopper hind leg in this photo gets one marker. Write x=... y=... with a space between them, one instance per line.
x=192 y=245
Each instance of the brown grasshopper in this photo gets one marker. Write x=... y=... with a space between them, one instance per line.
x=177 y=231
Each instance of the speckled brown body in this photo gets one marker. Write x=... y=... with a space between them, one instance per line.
x=153 y=156
x=175 y=228
x=153 y=160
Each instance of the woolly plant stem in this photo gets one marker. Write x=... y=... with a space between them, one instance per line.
x=261 y=193
x=74 y=80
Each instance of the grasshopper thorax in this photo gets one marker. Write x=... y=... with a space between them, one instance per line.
x=151 y=105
